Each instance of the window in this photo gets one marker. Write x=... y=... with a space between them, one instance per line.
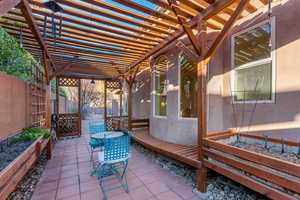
x=253 y=65
x=188 y=87
x=160 y=87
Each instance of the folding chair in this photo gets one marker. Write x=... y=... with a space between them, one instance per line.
x=113 y=161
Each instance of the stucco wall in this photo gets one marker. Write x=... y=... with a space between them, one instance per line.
x=141 y=95
x=172 y=128
x=13 y=104
x=281 y=118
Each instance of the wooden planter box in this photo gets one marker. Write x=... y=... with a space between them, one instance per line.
x=267 y=175
x=15 y=171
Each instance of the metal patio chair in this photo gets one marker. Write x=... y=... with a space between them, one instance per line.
x=95 y=144
x=113 y=162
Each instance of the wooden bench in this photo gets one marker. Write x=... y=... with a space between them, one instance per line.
x=182 y=153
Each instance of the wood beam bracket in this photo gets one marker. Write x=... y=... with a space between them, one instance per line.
x=63 y=69
x=191 y=54
x=225 y=31
x=186 y=27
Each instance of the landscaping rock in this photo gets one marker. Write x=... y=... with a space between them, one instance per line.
x=26 y=186
x=270 y=151
x=218 y=187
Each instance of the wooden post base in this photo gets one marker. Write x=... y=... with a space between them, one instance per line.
x=49 y=149
x=201 y=179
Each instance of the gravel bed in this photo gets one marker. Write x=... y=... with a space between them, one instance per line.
x=287 y=156
x=218 y=187
x=8 y=153
x=26 y=186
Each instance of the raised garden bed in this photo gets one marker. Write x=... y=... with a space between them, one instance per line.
x=16 y=170
x=12 y=151
x=250 y=161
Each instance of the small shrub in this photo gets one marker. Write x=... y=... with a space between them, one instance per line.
x=31 y=134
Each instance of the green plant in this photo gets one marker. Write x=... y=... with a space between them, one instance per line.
x=14 y=60
x=31 y=134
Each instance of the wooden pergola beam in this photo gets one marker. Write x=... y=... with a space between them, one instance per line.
x=61 y=70
x=101 y=12
x=202 y=95
x=147 y=10
x=112 y=7
x=225 y=31
x=206 y=14
x=27 y=12
x=194 y=56
x=187 y=29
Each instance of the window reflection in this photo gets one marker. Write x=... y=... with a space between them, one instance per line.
x=188 y=87
x=160 y=86
x=253 y=64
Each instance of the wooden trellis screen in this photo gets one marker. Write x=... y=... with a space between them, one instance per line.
x=37 y=97
x=69 y=124
x=110 y=121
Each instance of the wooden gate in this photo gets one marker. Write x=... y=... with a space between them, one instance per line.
x=69 y=124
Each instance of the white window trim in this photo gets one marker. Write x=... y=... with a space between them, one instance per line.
x=179 y=92
x=255 y=63
x=154 y=91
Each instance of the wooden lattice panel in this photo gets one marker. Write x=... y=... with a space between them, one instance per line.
x=109 y=124
x=113 y=85
x=71 y=82
x=68 y=125
x=37 y=97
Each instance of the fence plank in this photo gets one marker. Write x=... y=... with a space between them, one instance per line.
x=274 y=163
x=262 y=173
x=255 y=185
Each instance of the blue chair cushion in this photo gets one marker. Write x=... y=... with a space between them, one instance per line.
x=95 y=143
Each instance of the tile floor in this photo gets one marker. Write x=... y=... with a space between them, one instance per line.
x=67 y=176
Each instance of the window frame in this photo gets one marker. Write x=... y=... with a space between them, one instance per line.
x=154 y=90
x=179 y=90
x=272 y=59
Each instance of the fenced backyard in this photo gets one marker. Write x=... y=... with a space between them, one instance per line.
x=149 y=100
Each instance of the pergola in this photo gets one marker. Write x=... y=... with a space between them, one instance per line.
x=112 y=41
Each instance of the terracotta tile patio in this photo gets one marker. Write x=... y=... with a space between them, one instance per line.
x=67 y=176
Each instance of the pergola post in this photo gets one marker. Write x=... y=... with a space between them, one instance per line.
x=121 y=102
x=130 y=105
x=130 y=82
x=105 y=102
x=79 y=107
x=204 y=58
x=202 y=106
x=48 y=106
x=48 y=92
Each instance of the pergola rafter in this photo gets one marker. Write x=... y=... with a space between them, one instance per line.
x=130 y=33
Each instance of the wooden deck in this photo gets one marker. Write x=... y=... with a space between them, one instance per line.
x=181 y=153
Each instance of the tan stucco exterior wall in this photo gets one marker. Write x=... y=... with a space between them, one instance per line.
x=278 y=119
